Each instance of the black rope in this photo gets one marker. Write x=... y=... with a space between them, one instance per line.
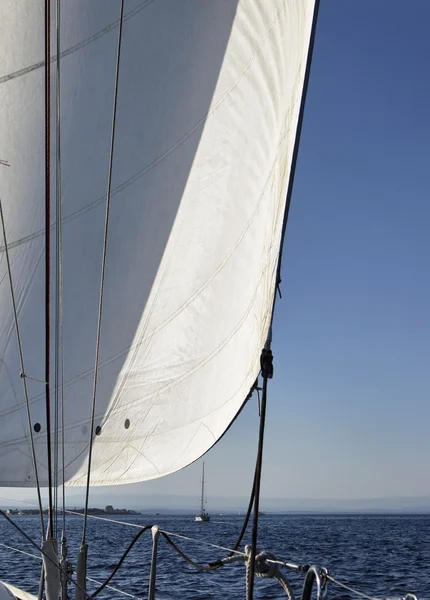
x=266 y=357
x=57 y=325
x=102 y=277
x=254 y=499
x=247 y=516
x=48 y=247
x=190 y=561
x=219 y=563
x=267 y=373
x=208 y=567
x=121 y=560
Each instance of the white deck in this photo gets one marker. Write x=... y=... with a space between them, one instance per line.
x=19 y=593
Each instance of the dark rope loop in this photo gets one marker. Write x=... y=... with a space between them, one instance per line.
x=121 y=560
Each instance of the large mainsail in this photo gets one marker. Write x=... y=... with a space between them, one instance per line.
x=208 y=105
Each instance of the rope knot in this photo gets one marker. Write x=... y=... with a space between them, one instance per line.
x=263 y=568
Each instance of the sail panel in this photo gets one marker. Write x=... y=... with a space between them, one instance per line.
x=209 y=97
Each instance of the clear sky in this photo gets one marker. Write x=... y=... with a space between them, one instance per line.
x=349 y=409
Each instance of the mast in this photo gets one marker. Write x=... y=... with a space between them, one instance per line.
x=48 y=251
x=203 y=489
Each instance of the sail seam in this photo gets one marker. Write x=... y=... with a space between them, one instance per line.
x=252 y=319
x=79 y=46
x=134 y=347
x=201 y=122
x=144 y=336
x=203 y=424
x=207 y=359
x=78 y=479
x=136 y=344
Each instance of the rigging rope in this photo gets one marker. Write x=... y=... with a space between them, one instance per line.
x=21 y=359
x=262 y=560
x=289 y=565
x=250 y=504
x=203 y=542
x=115 y=589
x=121 y=560
x=20 y=551
x=74 y=512
x=187 y=559
x=250 y=587
x=57 y=267
x=34 y=544
x=267 y=373
x=48 y=248
x=361 y=594
x=266 y=570
x=262 y=563
x=59 y=345
x=102 y=278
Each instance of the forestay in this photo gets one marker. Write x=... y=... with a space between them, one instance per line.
x=209 y=97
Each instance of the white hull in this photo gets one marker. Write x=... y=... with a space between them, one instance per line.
x=14 y=592
x=203 y=518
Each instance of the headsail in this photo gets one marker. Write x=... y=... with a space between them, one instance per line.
x=209 y=97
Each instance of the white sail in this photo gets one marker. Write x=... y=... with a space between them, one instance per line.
x=209 y=97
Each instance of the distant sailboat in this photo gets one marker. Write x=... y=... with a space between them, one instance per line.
x=203 y=515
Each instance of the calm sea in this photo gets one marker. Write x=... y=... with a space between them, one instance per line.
x=385 y=556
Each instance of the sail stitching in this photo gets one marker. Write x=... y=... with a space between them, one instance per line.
x=177 y=380
x=76 y=47
x=201 y=122
x=77 y=480
x=111 y=460
x=203 y=424
x=208 y=358
x=199 y=291
x=196 y=368
x=134 y=347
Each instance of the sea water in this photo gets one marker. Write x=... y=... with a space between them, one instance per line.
x=384 y=556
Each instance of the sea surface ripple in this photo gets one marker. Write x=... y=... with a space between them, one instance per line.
x=384 y=556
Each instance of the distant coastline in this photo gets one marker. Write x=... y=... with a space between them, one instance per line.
x=176 y=504
x=108 y=510
x=188 y=512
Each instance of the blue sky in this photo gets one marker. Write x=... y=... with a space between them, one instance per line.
x=349 y=410
x=355 y=322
